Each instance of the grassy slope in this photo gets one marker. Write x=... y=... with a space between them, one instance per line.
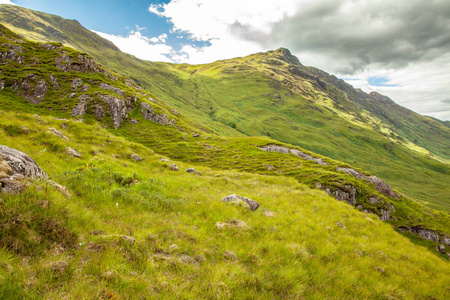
x=247 y=96
x=312 y=247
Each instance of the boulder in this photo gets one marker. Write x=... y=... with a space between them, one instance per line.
x=58 y=134
x=75 y=83
x=21 y=163
x=236 y=198
x=117 y=108
x=382 y=187
x=192 y=170
x=72 y=152
x=149 y=114
x=441 y=248
x=136 y=157
x=173 y=167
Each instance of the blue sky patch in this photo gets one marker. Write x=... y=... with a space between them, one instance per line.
x=379 y=81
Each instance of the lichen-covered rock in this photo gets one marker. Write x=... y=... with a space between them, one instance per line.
x=75 y=83
x=346 y=193
x=235 y=198
x=21 y=163
x=33 y=89
x=385 y=215
x=10 y=55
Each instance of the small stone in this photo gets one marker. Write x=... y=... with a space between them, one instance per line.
x=230 y=255
x=72 y=95
x=164 y=159
x=235 y=223
x=133 y=121
x=115 y=155
x=233 y=198
x=62 y=189
x=24 y=129
x=441 y=248
x=72 y=152
x=192 y=170
x=136 y=157
x=173 y=248
x=128 y=239
x=268 y=214
x=196 y=135
x=173 y=167
x=58 y=133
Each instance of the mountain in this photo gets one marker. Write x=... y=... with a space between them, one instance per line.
x=273 y=94
x=110 y=191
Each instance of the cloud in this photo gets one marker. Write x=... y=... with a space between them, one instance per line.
x=7 y=2
x=141 y=46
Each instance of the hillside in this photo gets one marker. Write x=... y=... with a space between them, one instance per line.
x=272 y=94
x=113 y=213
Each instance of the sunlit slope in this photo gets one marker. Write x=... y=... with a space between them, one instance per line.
x=272 y=94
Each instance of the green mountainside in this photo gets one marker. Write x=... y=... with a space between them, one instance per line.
x=272 y=94
x=117 y=216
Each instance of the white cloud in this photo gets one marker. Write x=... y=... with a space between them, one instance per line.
x=7 y=2
x=140 y=46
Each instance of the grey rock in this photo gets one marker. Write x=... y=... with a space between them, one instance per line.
x=424 y=233
x=350 y=171
x=441 y=248
x=281 y=149
x=149 y=114
x=58 y=134
x=347 y=193
x=234 y=198
x=99 y=112
x=80 y=109
x=10 y=55
x=21 y=163
x=136 y=157
x=108 y=87
x=33 y=89
x=445 y=240
x=117 y=108
x=385 y=215
x=55 y=83
x=72 y=95
x=133 y=121
x=84 y=88
x=373 y=200
x=192 y=170
x=383 y=187
x=72 y=152
x=173 y=167
x=196 y=135
x=76 y=83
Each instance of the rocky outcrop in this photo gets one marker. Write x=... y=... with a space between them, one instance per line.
x=193 y=171
x=58 y=133
x=136 y=157
x=108 y=87
x=236 y=198
x=72 y=152
x=82 y=64
x=21 y=164
x=117 y=109
x=379 y=184
x=347 y=193
x=80 y=109
x=99 y=112
x=76 y=82
x=281 y=149
x=10 y=55
x=149 y=114
x=34 y=89
x=55 y=83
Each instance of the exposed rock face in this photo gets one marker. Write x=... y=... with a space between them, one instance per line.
x=385 y=215
x=80 y=109
x=423 y=233
x=379 y=184
x=108 y=87
x=21 y=163
x=117 y=109
x=34 y=91
x=76 y=82
x=281 y=149
x=235 y=198
x=99 y=112
x=347 y=193
x=383 y=187
x=149 y=114
x=82 y=64
x=55 y=83
x=10 y=55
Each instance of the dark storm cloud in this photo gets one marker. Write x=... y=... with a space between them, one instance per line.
x=360 y=33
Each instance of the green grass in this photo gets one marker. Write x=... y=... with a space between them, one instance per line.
x=312 y=247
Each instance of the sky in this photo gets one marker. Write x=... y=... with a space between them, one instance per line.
x=398 y=48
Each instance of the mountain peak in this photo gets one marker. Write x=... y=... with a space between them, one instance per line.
x=286 y=55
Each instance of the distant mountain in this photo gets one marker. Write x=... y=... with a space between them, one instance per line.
x=273 y=94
